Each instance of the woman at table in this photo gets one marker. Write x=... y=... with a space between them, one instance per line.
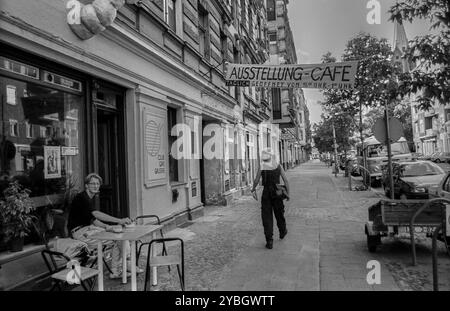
x=85 y=220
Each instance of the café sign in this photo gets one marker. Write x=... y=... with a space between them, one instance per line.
x=320 y=76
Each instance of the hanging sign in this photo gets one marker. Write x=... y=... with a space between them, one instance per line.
x=320 y=76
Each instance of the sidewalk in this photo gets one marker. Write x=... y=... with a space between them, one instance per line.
x=325 y=248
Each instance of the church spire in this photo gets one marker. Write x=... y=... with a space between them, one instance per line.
x=400 y=39
x=399 y=46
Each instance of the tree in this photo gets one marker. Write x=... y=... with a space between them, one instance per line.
x=323 y=133
x=374 y=76
x=375 y=80
x=429 y=81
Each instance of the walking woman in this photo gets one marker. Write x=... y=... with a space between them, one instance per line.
x=271 y=170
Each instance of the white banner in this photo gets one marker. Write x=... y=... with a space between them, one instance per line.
x=320 y=76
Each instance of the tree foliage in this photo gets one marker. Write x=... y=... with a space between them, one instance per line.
x=375 y=77
x=323 y=132
x=429 y=81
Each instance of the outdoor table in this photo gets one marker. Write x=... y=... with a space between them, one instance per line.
x=131 y=234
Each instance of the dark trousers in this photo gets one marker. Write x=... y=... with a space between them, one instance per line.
x=270 y=206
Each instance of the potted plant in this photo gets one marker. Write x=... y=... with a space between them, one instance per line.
x=15 y=215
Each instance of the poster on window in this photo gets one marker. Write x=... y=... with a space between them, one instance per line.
x=52 y=162
x=154 y=147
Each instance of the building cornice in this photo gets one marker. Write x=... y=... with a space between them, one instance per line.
x=142 y=48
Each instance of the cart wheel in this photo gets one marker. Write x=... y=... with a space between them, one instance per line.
x=372 y=242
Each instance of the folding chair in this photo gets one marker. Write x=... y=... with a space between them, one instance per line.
x=138 y=250
x=59 y=272
x=165 y=260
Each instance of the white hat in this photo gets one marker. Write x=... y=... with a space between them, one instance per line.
x=266 y=154
x=269 y=161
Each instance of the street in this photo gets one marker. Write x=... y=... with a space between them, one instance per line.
x=325 y=248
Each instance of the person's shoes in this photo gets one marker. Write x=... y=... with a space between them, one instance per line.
x=118 y=275
x=269 y=244
x=138 y=270
x=283 y=234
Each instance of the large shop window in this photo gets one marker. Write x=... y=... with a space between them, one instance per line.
x=40 y=133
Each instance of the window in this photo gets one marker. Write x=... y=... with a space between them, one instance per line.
x=421 y=125
x=42 y=131
x=276 y=103
x=203 y=32
x=169 y=13
x=428 y=123
x=272 y=37
x=29 y=129
x=11 y=94
x=173 y=163
x=271 y=10
x=13 y=128
x=273 y=48
x=44 y=122
x=447 y=115
x=224 y=44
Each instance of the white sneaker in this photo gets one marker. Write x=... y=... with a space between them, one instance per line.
x=138 y=270
x=118 y=275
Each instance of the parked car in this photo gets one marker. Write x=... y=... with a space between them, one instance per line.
x=412 y=179
x=427 y=157
x=443 y=188
x=441 y=157
x=417 y=156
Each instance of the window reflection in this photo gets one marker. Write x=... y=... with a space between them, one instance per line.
x=39 y=136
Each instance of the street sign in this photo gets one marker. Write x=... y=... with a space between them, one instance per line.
x=395 y=130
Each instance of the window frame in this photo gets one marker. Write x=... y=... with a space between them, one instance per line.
x=171 y=121
x=166 y=13
x=271 y=17
x=13 y=127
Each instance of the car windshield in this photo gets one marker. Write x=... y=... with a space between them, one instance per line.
x=420 y=169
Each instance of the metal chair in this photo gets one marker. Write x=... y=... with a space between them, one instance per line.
x=59 y=272
x=165 y=260
x=138 y=250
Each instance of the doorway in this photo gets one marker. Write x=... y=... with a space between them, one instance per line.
x=109 y=150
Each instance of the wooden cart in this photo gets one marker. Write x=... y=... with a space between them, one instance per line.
x=391 y=217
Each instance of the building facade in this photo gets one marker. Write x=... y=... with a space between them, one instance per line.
x=98 y=86
x=431 y=128
x=287 y=104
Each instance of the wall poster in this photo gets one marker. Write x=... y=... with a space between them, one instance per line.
x=154 y=146
x=52 y=162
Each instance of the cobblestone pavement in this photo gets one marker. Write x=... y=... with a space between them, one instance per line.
x=325 y=248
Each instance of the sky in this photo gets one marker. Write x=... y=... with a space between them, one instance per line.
x=319 y=26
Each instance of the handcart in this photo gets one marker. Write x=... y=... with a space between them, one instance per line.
x=388 y=217
x=404 y=218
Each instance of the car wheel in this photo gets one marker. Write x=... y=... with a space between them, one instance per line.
x=372 y=242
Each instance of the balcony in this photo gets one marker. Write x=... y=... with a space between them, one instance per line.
x=430 y=132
